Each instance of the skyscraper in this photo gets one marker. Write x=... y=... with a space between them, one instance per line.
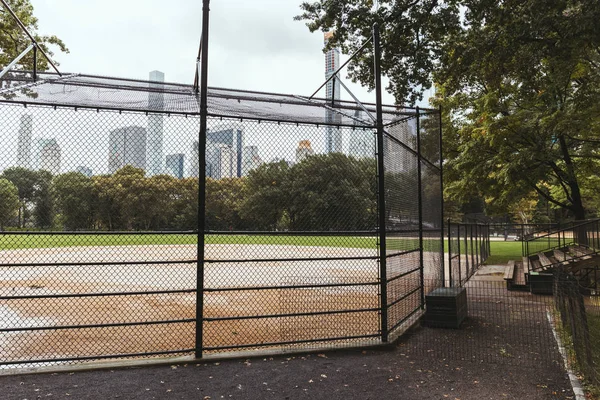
x=333 y=135
x=127 y=146
x=194 y=167
x=362 y=141
x=395 y=156
x=24 y=144
x=48 y=156
x=154 y=156
x=174 y=165
x=220 y=161
x=224 y=148
x=250 y=159
x=304 y=150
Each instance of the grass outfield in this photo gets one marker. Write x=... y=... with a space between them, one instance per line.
x=501 y=251
x=32 y=241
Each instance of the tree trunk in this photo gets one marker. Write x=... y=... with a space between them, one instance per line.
x=571 y=181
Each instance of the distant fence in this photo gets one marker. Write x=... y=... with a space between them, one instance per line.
x=578 y=321
x=468 y=248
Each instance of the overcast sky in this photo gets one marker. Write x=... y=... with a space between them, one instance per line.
x=254 y=44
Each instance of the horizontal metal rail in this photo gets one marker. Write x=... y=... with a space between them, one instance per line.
x=250 y=260
x=317 y=286
x=94 y=326
x=97 y=263
x=402 y=253
x=403 y=320
x=290 y=342
x=106 y=294
x=98 y=357
x=304 y=314
x=402 y=275
x=415 y=290
x=97 y=233
x=97 y=108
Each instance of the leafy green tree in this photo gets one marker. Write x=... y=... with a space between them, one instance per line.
x=107 y=213
x=224 y=199
x=268 y=197
x=186 y=205
x=73 y=198
x=13 y=40
x=9 y=202
x=43 y=201
x=25 y=180
x=332 y=192
x=157 y=201
x=412 y=34
x=519 y=80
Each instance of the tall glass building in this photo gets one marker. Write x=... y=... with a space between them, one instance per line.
x=224 y=152
x=333 y=135
x=127 y=146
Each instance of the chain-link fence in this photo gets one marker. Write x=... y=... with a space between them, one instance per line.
x=577 y=317
x=112 y=247
x=468 y=248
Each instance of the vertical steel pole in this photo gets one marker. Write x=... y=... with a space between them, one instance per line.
x=202 y=180
x=473 y=266
x=35 y=62
x=442 y=199
x=449 y=254
x=333 y=92
x=477 y=245
x=459 y=256
x=381 y=186
x=420 y=199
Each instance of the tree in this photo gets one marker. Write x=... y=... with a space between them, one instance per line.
x=267 y=198
x=13 y=40
x=224 y=199
x=43 y=210
x=519 y=80
x=9 y=202
x=523 y=82
x=25 y=180
x=332 y=192
x=186 y=204
x=412 y=34
x=72 y=193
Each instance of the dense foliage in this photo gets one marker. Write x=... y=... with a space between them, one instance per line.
x=323 y=192
x=519 y=81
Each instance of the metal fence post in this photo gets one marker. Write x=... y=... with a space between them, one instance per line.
x=202 y=181
x=381 y=186
x=420 y=200
x=449 y=254
x=442 y=200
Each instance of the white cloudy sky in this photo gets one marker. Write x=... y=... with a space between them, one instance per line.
x=254 y=44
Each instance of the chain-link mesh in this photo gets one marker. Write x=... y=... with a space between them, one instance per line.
x=486 y=325
x=577 y=317
x=87 y=267
x=468 y=249
x=100 y=191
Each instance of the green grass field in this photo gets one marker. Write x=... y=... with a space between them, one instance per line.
x=501 y=251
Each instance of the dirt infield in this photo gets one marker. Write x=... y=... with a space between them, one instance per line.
x=118 y=277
